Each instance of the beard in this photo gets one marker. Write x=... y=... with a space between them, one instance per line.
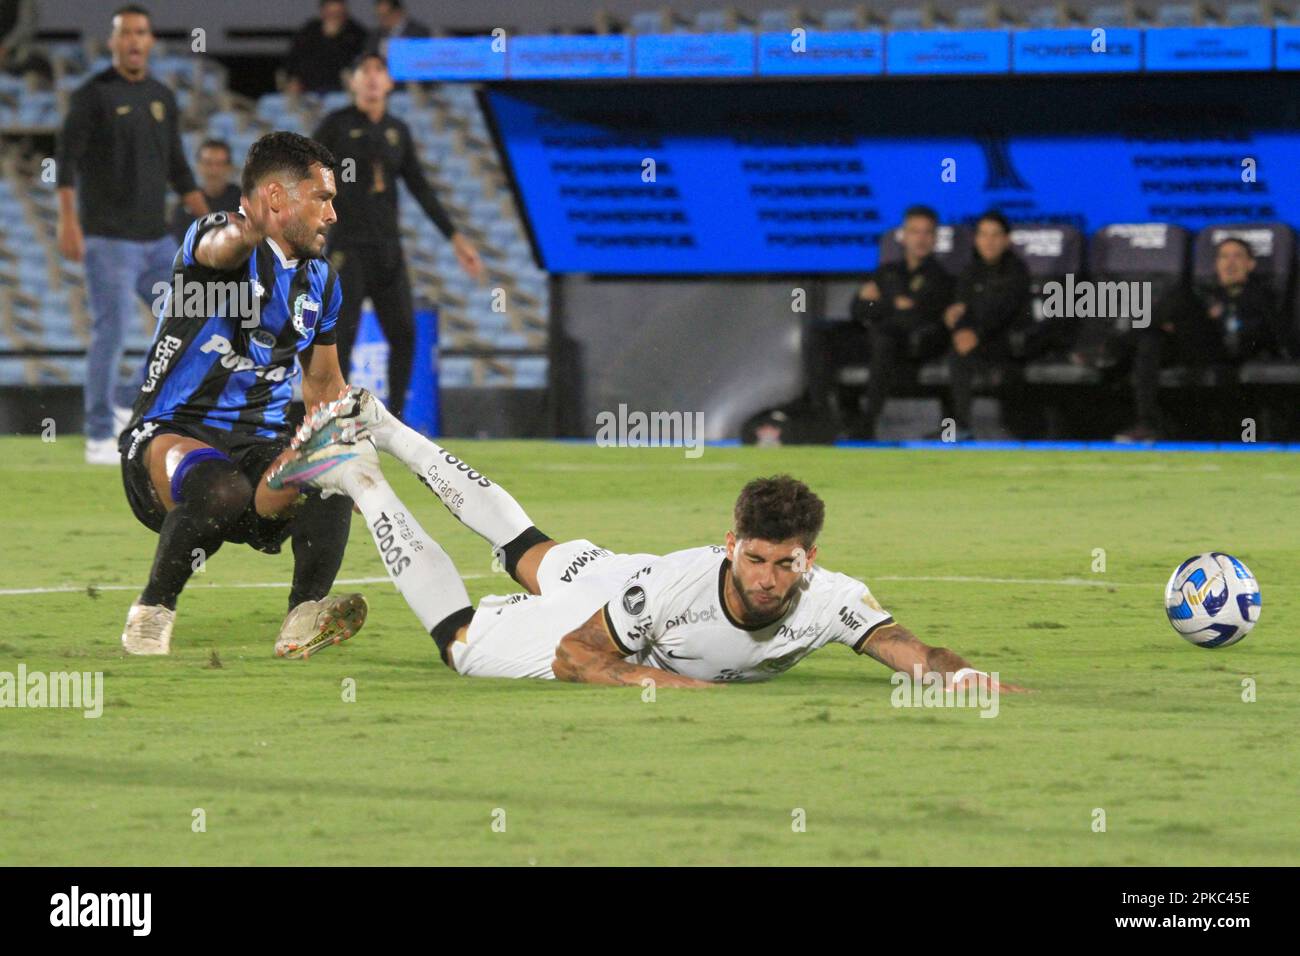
x=302 y=240
x=755 y=613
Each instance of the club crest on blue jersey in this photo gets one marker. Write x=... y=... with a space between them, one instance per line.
x=306 y=311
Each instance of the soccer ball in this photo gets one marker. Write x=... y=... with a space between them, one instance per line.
x=1212 y=600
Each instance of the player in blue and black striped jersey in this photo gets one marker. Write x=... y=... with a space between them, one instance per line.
x=250 y=297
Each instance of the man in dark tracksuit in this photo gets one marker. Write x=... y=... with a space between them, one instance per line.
x=901 y=307
x=992 y=300
x=366 y=247
x=1216 y=326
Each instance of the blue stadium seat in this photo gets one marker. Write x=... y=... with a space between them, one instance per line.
x=1152 y=252
x=223 y=124
x=779 y=21
x=400 y=104
x=1123 y=14
x=1048 y=16
x=845 y=19
x=724 y=20
x=984 y=16
x=1180 y=14
x=1252 y=13
x=335 y=101
x=649 y=21
x=454 y=372
x=911 y=18
x=272 y=106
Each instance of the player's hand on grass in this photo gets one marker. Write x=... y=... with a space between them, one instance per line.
x=978 y=680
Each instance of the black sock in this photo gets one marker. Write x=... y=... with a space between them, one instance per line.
x=444 y=632
x=214 y=494
x=513 y=551
x=320 y=535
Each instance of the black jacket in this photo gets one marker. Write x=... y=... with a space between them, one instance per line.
x=382 y=153
x=929 y=286
x=317 y=61
x=1234 y=323
x=997 y=297
x=120 y=147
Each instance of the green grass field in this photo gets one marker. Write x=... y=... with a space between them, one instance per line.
x=989 y=553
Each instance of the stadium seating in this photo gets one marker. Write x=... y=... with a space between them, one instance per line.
x=1253 y=13
x=1274 y=246
x=44 y=327
x=44 y=324
x=1162 y=254
x=953 y=246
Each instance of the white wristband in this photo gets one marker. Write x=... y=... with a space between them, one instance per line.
x=960 y=675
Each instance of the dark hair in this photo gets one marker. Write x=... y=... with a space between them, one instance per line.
x=395 y=4
x=282 y=151
x=778 y=508
x=994 y=216
x=134 y=8
x=371 y=54
x=1250 y=252
x=922 y=212
x=214 y=143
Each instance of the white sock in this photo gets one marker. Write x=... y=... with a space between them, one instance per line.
x=483 y=506
x=420 y=568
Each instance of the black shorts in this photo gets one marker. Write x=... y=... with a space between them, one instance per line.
x=252 y=455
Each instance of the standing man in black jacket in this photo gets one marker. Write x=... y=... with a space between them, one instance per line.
x=992 y=300
x=901 y=307
x=119 y=148
x=366 y=245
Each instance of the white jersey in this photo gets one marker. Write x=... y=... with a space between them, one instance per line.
x=665 y=612
x=671 y=614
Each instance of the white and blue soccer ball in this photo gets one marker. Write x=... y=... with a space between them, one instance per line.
x=1212 y=600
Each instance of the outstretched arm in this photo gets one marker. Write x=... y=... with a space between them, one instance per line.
x=897 y=647
x=322 y=379
x=589 y=656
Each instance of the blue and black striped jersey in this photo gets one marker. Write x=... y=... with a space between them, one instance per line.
x=224 y=351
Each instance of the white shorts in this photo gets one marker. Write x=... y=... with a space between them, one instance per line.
x=515 y=635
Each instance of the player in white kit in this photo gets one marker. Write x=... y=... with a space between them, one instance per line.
x=694 y=618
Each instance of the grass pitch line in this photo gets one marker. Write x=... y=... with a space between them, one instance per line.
x=922 y=578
